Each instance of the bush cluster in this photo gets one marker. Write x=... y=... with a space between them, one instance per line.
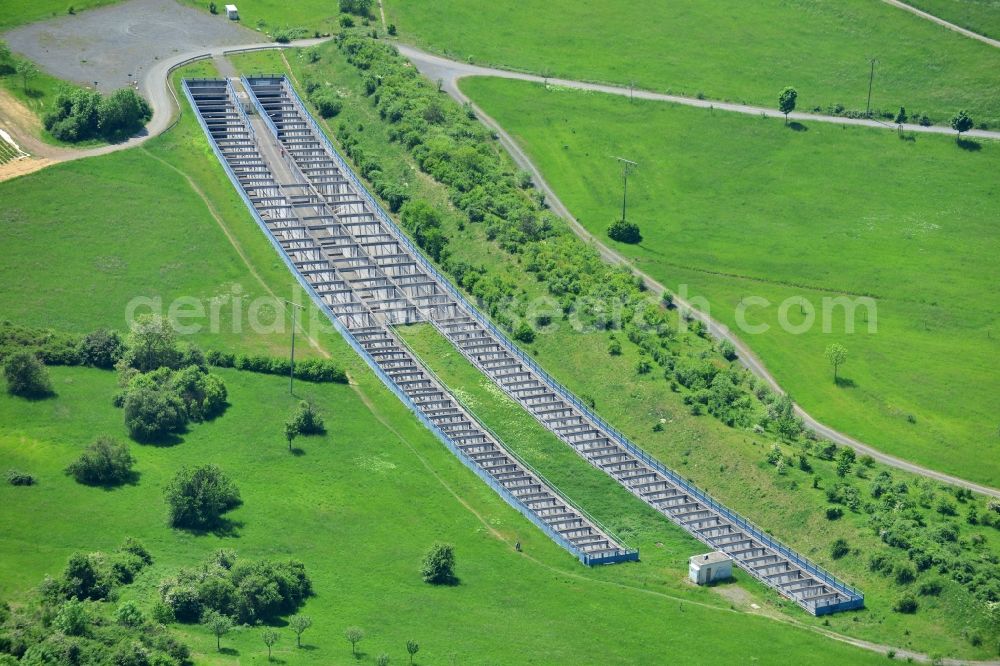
x=164 y=401
x=26 y=376
x=105 y=462
x=78 y=115
x=59 y=628
x=96 y=575
x=249 y=591
x=310 y=370
x=197 y=497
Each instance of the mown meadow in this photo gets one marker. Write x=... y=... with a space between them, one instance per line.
x=742 y=53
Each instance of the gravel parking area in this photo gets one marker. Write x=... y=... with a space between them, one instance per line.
x=116 y=45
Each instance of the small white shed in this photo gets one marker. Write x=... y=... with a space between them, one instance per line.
x=710 y=567
x=231 y=13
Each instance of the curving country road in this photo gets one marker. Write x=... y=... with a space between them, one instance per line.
x=449 y=72
x=940 y=21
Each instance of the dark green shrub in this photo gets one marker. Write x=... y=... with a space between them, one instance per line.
x=197 y=497
x=18 y=478
x=438 y=567
x=905 y=574
x=930 y=588
x=839 y=549
x=906 y=604
x=624 y=232
x=105 y=462
x=524 y=333
x=327 y=103
x=26 y=376
x=152 y=413
x=102 y=348
x=833 y=512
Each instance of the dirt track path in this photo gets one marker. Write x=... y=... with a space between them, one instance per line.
x=940 y=21
x=449 y=73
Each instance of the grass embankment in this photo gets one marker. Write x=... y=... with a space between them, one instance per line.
x=361 y=504
x=737 y=207
x=982 y=16
x=88 y=237
x=744 y=53
x=727 y=462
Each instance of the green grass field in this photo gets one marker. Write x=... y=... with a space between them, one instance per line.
x=267 y=15
x=982 y=16
x=359 y=507
x=736 y=207
x=743 y=52
x=19 y=12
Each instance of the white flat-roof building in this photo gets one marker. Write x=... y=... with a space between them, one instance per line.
x=231 y=13
x=710 y=567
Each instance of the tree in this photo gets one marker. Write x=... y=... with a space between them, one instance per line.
x=122 y=113
x=105 y=462
x=412 y=648
x=291 y=432
x=129 y=615
x=102 y=348
x=354 y=636
x=962 y=122
x=219 y=625
x=299 y=623
x=624 y=232
x=307 y=420
x=786 y=101
x=359 y=7
x=901 y=119
x=198 y=497
x=439 y=564
x=270 y=637
x=153 y=412
x=26 y=376
x=152 y=344
x=72 y=618
x=836 y=354
x=26 y=70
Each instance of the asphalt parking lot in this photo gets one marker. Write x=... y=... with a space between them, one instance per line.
x=114 y=46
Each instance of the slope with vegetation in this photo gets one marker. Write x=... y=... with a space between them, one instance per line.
x=737 y=209
x=358 y=506
x=658 y=377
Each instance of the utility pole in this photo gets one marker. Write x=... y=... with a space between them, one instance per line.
x=291 y=360
x=627 y=166
x=871 y=79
